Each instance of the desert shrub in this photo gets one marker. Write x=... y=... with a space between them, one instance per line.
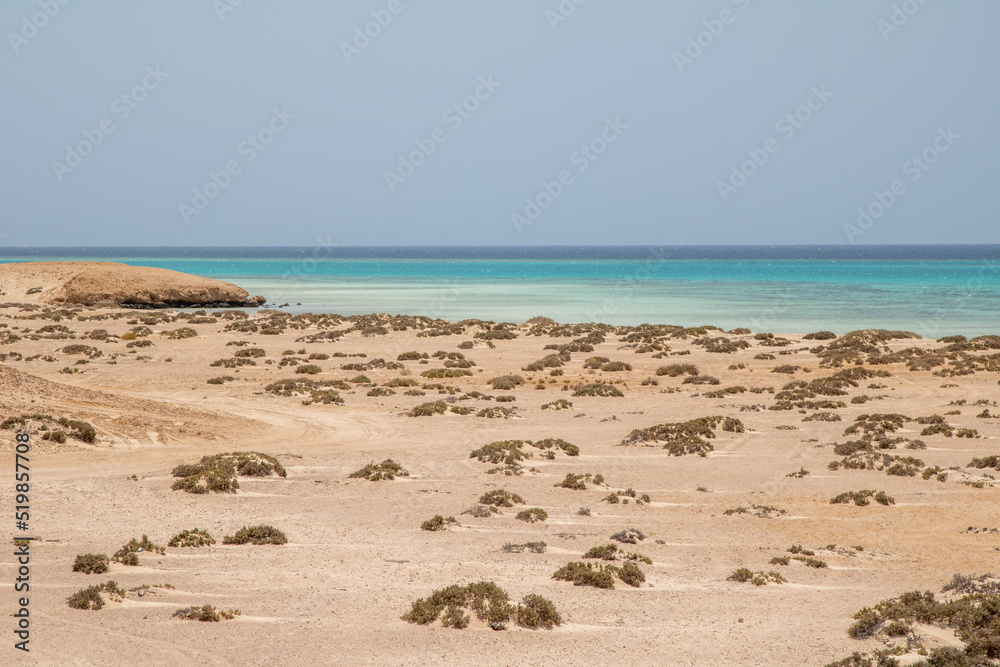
x=206 y=614
x=506 y=382
x=537 y=612
x=250 y=352
x=88 y=350
x=629 y=536
x=221 y=379
x=481 y=511
x=861 y=498
x=763 y=511
x=191 y=538
x=429 y=409
x=615 y=366
x=560 y=404
x=384 y=391
x=579 y=482
x=556 y=443
x=412 y=356
x=439 y=373
x=91 y=563
x=780 y=560
x=533 y=547
x=461 y=410
x=438 y=522
x=127 y=555
x=585 y=574
x=674 y=370
x=178 y=334
x=597 y=389
x=798 y=475
x=91 y=598
x=261 y=534
x=308 y=369
x=820 y=335
x=503 y=451
x=992 y=461
x=532 y=515
x=756 y=578
x=500 y=498
x=822 y=417
x=402 y=382
x=386 y=470
x=786 y=368
x=495 y=413
x=701 y=379
x=217 y=473
x=490 y=603
x=690 y=437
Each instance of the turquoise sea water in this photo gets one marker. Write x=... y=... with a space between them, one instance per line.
x=934 y=297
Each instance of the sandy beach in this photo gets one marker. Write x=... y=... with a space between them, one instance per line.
x=162 y=388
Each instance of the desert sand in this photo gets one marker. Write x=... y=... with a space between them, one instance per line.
x=356 y=556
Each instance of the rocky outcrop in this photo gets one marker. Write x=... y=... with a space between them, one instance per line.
x=114 y=284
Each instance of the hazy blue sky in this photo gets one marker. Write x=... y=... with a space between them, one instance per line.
x=312 y=118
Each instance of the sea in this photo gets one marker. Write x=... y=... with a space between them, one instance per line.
x=934 y=291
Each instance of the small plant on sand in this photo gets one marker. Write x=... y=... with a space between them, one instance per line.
x=579 y=482
x=256 y=535
x=438 y=522
x=490 y=603
x=532 y=515
x=91 y=598
x=690 y=437
x=861 y=498
x=763 y=511
x=625 y=496
x=386 y=470
x=599 y=575
x=128 y=554
x=506 y=382
x=501 y=498
x=533 y=547
x=91 y=563
x=496 y=413
x=614 y=552
x=206 y=614
x=429 y=409
x=560 y=404
x=218 y=472
x=191 y=538
x=597 y=389
x=674 y=370
x=482 y=511
x=629 y=536
x=756 y=578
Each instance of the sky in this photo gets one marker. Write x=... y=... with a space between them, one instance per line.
x=464 y=122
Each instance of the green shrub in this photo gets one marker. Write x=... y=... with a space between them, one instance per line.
x=217 y=473
x=178 y=334
x=490 y=603
x=537 y=612
x=206 y=614
x=674 y=370
x=386 y=470
x=585 y=574
x=91 y=563
x=429 y=409
x=756 y=578
x=500 y=498
x=191 y=538
x=688 y=437
x=91 y=598
x=532 y=515
x=256 y=535
x=438 y=522
x=597 y=389
x=506 y=382
x=128 y=554
x=495 y=413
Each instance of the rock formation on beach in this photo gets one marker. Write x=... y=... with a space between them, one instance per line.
x=112 y=283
